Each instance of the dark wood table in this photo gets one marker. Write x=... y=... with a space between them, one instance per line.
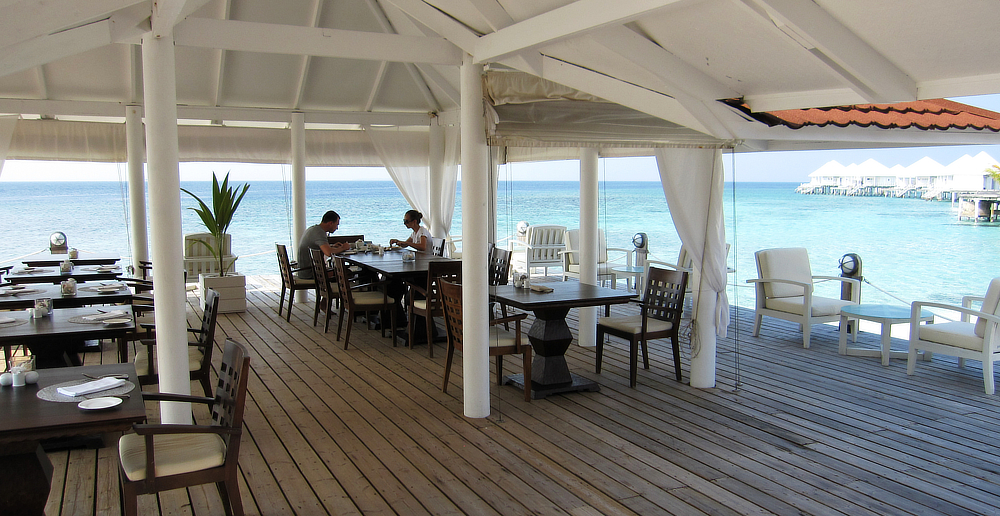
x=86 y=295
x=390 y=266
x=25 y=469
x=81 y=273
x=44 y=259
x=550 y=336
x=54 y=332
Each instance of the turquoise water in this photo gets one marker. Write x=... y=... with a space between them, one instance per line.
x=911 y=249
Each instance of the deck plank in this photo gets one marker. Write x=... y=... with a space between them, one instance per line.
x=786 y=431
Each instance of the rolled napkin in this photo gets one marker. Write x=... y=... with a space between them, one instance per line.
x=86 y=388
x=541 y=289
x=107 y=315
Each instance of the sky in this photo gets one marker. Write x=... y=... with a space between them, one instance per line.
x=790 y=166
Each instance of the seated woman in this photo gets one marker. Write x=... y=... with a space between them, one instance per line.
x=421 y=237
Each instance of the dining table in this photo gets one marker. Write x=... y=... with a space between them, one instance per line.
x=56 y=333
x=550 y=335
x=36 y=413
x=47 y=259
x=81 y=273
x=391 y=267
x=19 y=297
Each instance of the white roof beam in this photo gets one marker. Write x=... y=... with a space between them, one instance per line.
x=493 y=13
x=447 y=27
x=404 y=24
x=559 y=24
x=418 y=80
x=166 y=14
x=866 y=71
x=959 y=86
x=300 y=86
x=45 y=49
x=376 y=85
x=297 y=40
x=116 y=110
x=29 y=19
x=804 y=99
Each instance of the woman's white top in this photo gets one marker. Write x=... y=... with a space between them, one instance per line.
x=420 y=232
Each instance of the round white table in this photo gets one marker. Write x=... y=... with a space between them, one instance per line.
x=631 y=271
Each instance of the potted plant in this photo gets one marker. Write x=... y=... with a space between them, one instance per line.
x=217 y=218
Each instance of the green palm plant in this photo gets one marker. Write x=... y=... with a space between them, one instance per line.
x=218 y=217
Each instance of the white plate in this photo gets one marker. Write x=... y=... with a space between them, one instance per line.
x=101 y=403
x=16 y=287
x=117 y=322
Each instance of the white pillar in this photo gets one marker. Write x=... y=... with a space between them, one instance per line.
x=135 y=148
x=298 y=128
x=435 y=179
x=703 y=345
x=475 y=221
x=589 y=242
x=165 y=213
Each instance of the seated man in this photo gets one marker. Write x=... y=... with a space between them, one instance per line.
x=315 y=237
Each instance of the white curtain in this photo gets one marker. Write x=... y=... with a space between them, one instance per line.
x=443 y=206
x=407 y=161
x=692 y=181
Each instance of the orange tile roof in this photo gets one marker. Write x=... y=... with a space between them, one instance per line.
x=938 y=114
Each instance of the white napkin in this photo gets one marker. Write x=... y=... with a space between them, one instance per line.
x=86 y=388
x=7 y=320
x=541 y=289
x=100 y=317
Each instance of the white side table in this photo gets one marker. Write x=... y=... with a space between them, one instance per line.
x=886 y=315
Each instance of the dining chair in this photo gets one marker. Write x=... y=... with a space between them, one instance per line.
x=161 y=457
x=785 y=290
x=661 y=308
x=289 y=281
x=605 y=266
x=499 y=274
x=199 y=349
x=429 y=303
x=502 y=342
x=327 y=291
x=354 y=299
x=964 y=339
x=437 y=246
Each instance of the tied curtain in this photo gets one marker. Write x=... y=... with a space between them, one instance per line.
x=428 y=187
x=692 y=180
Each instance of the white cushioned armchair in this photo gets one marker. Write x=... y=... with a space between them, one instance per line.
x=571 y=258
x=964 y=339
x=784 y=290
x=540 y=248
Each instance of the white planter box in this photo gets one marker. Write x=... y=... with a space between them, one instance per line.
x=232 y=291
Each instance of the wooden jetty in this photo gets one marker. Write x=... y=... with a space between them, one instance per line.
x=368 y=431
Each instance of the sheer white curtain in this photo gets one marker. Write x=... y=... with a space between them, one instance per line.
x=692 y=181
x=406 y=155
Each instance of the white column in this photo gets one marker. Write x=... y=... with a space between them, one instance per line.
x=298 y=127
x=435 y=178
x=587 y=334
x=165 y=214
x=475 y=221
x=135 y=148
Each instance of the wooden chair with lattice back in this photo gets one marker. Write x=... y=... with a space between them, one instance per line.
x=161 y=457
x=355 y=298
x=662 y=305
x=502 y=342
x=327 y=292
x=499 y=274
x=289 y=281
x=199 y=349
x=425 y=300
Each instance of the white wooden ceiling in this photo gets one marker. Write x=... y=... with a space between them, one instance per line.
x=391 y=62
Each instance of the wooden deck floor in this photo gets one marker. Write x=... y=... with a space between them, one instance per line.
x=368 y=431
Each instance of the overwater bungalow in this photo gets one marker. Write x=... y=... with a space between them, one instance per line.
x=405 y=84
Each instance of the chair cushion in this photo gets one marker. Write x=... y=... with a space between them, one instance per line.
x=174 y=454
x=195 y=356
x=633 y=324
x=788 y=264
x=370 y=298
x=821 y=306
x=989 y=306
x=301 y=282
x=420 y=304
x=500 y=337
x=957 y=334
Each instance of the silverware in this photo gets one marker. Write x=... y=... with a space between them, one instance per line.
x=99 y=395
x=120 y=376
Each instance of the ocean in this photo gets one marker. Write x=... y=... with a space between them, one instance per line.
x=910 y=249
